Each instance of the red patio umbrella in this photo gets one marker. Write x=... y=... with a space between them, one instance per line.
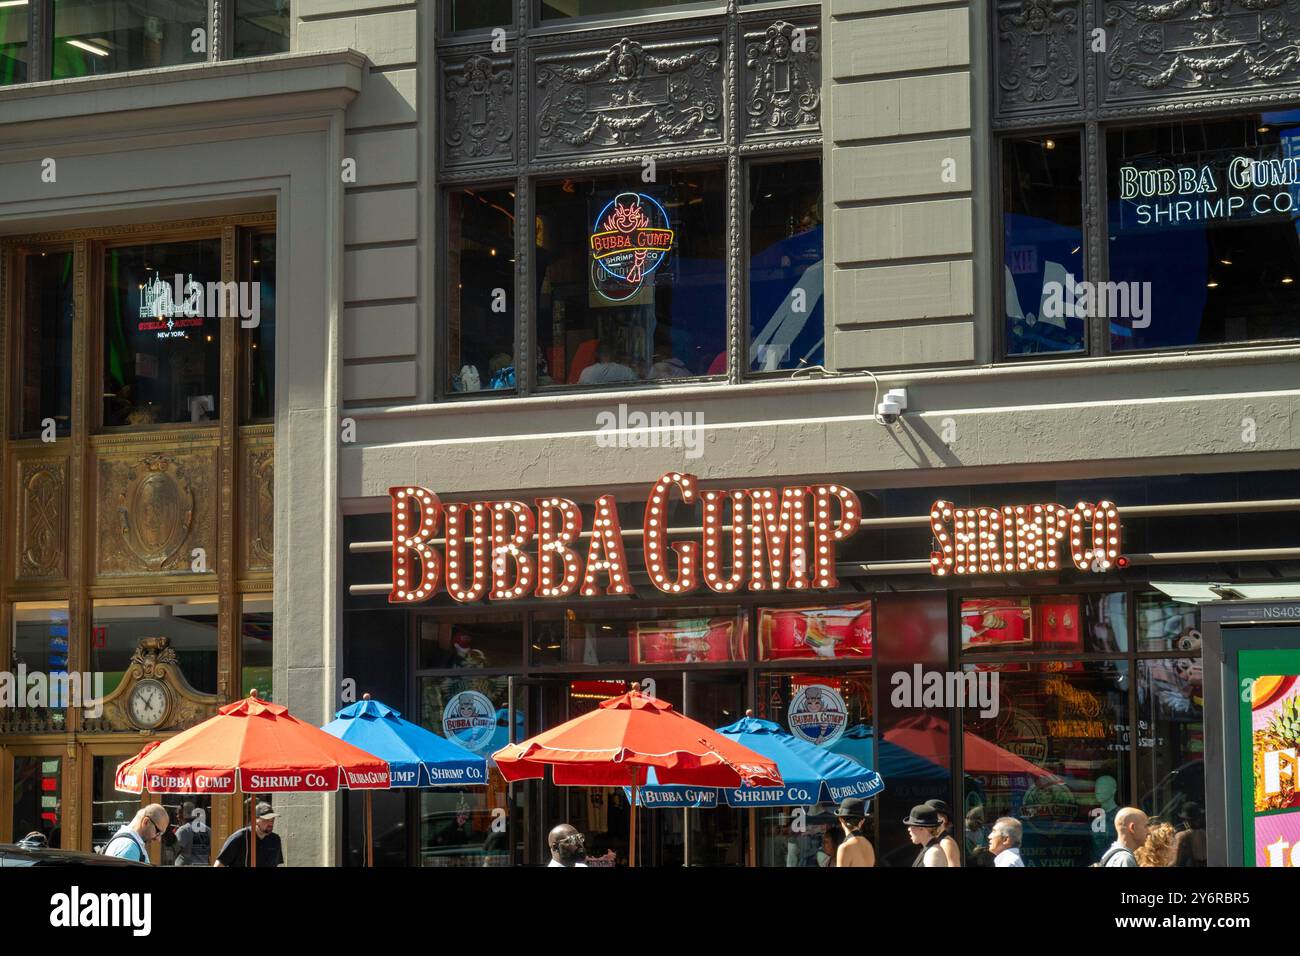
x=616 y=744
x=251 y=746
x=926 y=734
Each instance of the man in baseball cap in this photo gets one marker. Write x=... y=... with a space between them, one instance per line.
x=237 y=850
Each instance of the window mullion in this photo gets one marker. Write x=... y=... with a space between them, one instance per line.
x=1094 y=176
x=525 y=365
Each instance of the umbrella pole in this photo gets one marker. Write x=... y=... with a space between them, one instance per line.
x=370 y=832
x=252 y=830
x=631 y=853
x=753 y=837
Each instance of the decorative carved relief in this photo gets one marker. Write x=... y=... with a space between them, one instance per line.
x=1039 y=54
x=172 y=705
x=479 y=125
x=153 y=511
x=782 y=79
x=42 y=519
x=629 y=96
x=259 y=508
x=1199 y=46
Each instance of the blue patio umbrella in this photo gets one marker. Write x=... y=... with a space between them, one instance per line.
x=812 y=774
x=416 y=757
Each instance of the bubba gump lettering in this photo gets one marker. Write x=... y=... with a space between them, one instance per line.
x=780 y=539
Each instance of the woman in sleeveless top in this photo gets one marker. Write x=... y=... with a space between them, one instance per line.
x=947 y=839
x=923 y=828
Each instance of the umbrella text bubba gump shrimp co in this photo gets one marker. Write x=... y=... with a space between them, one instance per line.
x=776 y=539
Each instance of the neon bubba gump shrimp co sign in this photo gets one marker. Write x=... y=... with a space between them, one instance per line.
x=760 y=539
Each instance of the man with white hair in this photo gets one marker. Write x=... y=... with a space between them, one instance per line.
x=1004 y=842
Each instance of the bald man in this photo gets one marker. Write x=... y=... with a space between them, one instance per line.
x=1131 y=833
x=566 y=845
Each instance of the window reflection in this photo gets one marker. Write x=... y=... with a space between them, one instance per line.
x=480 y=14
x=786 y=324
x=1164 y=624
x=260 y=339
x=255 y=648
x=631 y=285
x=1171 y=749
x=162 y=352
x=261 y=27
x=45 y=376
x=108 y=36
x=684 y=636
x=830 y=710
x=38 y=798
x=14 y=56
x=481 y=289
x=1211 y=238
x=563 y=9
x=40 y=646
x=1056 y=750
x=188 y=624
x=1049 y=623
x=1042 y=241
x=470 y=641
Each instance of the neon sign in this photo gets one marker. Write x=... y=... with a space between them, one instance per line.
x=1170 y=195
x=629 y=240
x=1017 y=538
x=780 y=539
x=171 y=307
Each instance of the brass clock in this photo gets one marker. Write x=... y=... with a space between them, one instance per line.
x=149 y=704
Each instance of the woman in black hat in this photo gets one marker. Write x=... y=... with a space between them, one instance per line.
x=947 y=842
x=923 y=828
x=856 y=850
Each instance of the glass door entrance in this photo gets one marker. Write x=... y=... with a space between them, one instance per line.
x=713 y=837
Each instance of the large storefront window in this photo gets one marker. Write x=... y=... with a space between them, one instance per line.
x=821 y=632
x=1042 y=242
x=1166 y=625
x=162 y=353
x=631 y=279
x=481 y=290
x=830 y=709
x=44 y=380
x=14 y=55
x=109 y=36
x=786 y=269
x=1171 y=738
x=1055 y=753
x=564 y=9
x=475 y=641
x=1203 y=226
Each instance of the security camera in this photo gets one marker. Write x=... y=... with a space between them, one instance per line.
x=891 y=409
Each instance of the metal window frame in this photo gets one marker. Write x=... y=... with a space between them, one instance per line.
x=526 y=34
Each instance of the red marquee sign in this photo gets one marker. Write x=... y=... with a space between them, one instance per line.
x=779 y=539
x=1017 y=538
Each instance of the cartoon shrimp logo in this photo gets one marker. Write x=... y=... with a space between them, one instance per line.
x=630 y=239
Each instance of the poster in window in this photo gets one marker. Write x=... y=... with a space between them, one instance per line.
x=794 y=633
x=1270 y=714
x=690 y=640
x=997 y=622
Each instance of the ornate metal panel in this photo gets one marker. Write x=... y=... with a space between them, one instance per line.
x=478 y=127
x=633 y=94
x=42 y=539
x=782 y=79
x=154 y=508
x=1199 y=46
x=1040 y=55
x=257 y=507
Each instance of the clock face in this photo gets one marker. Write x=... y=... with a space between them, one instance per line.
x=148 y=704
